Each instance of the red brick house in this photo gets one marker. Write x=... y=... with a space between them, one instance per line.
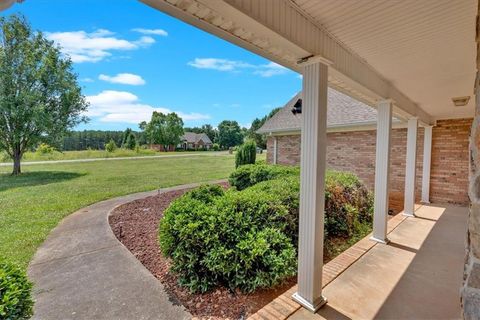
x=351 y=136
x=195 y=141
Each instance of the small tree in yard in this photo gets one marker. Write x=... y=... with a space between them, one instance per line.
x=246 y=153
x=40 y=99
x=111 y=146
x=131 y=142
x=163 y=129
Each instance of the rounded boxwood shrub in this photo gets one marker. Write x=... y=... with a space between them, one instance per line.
x=248 y=175
x=15 y=293
x=237 y=241
x=206 y=193
x=247 y=239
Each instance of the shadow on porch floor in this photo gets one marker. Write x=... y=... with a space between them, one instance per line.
x=416 y=276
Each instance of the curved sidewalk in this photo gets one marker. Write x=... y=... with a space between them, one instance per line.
x=83 y=272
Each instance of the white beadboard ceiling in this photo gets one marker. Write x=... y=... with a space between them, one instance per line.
x=426 y=48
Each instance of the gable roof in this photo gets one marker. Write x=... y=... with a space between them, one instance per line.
x=192 y=137
x=342 y=111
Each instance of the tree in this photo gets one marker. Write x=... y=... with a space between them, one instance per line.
x=111 y=146
x=210 y=131
x=40 y=99
x=246 y=153
x=130 y=142
x=260 y=139
x=163 y=129
x=126 y=134
x=229 y=134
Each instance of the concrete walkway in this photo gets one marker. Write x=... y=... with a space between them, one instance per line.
x=186 y=155
x=83 y=272
x=417 y=276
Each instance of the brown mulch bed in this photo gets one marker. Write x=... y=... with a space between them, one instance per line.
x=135 y=224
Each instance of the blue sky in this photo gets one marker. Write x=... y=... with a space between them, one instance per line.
x=132 y=59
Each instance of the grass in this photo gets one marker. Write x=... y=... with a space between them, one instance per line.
x=90 y=154
x=32 y=204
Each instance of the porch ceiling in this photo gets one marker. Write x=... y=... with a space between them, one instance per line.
x=420 y=54
x=425 y=48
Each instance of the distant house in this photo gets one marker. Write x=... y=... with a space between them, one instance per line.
x=195 y=141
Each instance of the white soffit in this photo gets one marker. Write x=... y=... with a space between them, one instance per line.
x=425 y=48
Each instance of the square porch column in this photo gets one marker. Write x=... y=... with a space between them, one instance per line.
x=427 y=161
x=312 y=186
x=411 y=168
x=382 y=171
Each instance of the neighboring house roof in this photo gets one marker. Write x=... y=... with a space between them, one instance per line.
x=192 y=137
x=342 y=111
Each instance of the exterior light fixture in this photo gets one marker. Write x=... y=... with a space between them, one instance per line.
x=460 y=101
x=297 y=107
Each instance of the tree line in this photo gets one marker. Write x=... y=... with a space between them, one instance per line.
x=41 y=102
x=166 y=130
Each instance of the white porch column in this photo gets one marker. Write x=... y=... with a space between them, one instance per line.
x=411 y=168
x=275 y=151
x=382 y=171
x=427 y=160
x=312 y=186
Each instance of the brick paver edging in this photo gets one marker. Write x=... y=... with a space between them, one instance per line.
x=283 y=306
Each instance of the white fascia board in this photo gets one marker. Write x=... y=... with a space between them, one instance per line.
x=251 y=25
x=367 y=126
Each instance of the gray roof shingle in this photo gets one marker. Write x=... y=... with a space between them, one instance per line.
x=342 y=111
x=192 y=137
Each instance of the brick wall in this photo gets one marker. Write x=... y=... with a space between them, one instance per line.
x=450 y=159
x=355 y=152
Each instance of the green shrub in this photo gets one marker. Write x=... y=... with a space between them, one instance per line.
x=248 y=175
x=246 y=153
x=15 y=293
x=44 y=148
x=347 y=203
x=238 y=241
x=287 y=191
x=111 y=146
x=206 y=193
x=246 y=237
x=216 y=147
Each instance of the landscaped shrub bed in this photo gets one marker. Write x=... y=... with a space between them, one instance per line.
x=15 y=293
x=246 y=237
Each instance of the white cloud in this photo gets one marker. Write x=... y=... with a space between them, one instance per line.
x=94 y=46
x=123 y=78
x=264 y=70
x=145 y=41
x=86 y=80
x=157 y=32
x=218 y=64
x=125 y=107
x=270 y=69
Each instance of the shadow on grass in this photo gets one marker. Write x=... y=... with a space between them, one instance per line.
x=30 y=179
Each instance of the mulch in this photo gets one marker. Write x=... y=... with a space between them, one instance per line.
x=135 y=224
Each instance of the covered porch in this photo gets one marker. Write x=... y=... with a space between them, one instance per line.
x=412 y=60
x=415 y=276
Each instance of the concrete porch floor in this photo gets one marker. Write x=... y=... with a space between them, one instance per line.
x=416 y=276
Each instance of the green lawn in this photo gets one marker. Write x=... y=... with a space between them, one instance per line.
x=91 y=154
x=32 y=204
